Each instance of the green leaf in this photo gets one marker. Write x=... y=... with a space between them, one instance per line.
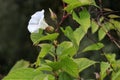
x=72 y=5
x=101 y=19
x=55 y=65
x=44 y=67
x=79 y=34
x=101 y=34
x=65 y=76
x=75 y=36
x=116 y=24
x=84 y=63
x=117 y=64
x=90 y=2
x=50 y=37
x=107 y=9
x=104 y=67
x=69 y=66
x=116 y=75
x=96 y=46
x=20 y=64
x=104 y=29
x=70 y=1
x=113 y=16
x=44 y=77
x=45 y=48
x=37 y=37
x=84 y=20
x=23 y=74
x=76 y=17
x=66 y=48
x=68 y=32
x=111 y=57
x=51 y=77
x=94 y=26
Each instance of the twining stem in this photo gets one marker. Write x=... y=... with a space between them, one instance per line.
x=64 y=16
x=111 y=38
x=78 y=78
x=56 y=75
x=55 y=43
x=100 y=3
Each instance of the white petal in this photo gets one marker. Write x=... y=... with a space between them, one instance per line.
x=34 y=21
x=33 y=28
x=43 y=24
x=38 y=15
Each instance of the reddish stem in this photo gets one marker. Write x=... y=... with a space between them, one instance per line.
x=64 y=16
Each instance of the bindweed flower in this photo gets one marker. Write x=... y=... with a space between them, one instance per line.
x=37 y=22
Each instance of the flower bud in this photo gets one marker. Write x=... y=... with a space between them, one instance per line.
x=97 y=75
x=52 y=15
x=49 y=29
x=108 y=71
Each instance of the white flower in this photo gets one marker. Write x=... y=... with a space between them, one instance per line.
x=37 y=22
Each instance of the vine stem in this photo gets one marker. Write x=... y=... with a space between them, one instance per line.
x=100 y=3
x=111 y=38
x=56 y=75
x=64 y=16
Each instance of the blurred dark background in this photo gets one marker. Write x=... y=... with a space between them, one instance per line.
x=15 y=43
